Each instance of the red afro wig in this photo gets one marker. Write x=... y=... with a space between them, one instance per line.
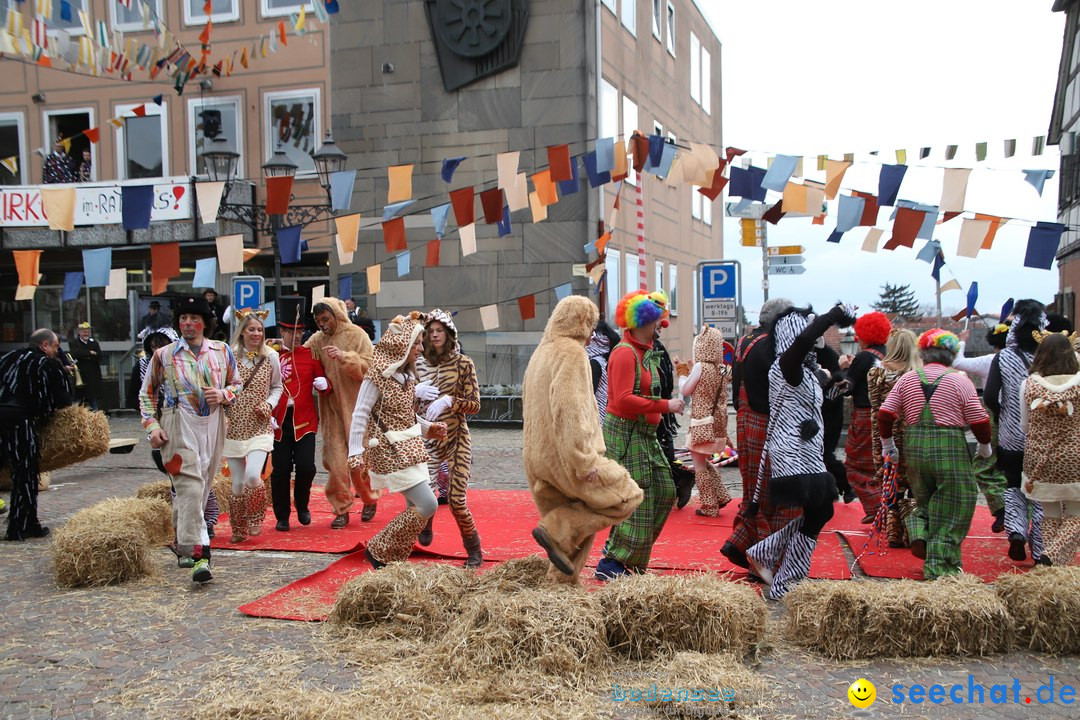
x=873 y=328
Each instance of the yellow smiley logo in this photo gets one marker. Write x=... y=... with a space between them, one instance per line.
x=862 y=693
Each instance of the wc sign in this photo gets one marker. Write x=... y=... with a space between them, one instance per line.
x=247 y=292
x=720 y=295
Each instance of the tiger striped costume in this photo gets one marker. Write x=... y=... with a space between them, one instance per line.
x=454 y=376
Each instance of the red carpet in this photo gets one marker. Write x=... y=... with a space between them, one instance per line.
x=506 y=518
x=983 y=554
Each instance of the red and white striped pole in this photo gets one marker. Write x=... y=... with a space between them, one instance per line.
x=643 y=279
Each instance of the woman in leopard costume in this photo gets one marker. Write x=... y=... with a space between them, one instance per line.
x=448 y=392
x=706 y=385
x=249 y=437
x=386 y=435
x=901 y=356
x=1050 y=418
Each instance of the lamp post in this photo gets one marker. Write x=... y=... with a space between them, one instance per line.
x=221 y=160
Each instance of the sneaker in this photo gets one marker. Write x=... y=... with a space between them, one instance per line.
x=340 y=521
x=185 y=562
x=368 y=512
x=200 y=573
x=609 y=569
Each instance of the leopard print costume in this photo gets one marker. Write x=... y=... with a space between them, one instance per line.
x=708 y=419
x=1053 y=442
x=880 y=381
x=244 y=424
x=455 y=377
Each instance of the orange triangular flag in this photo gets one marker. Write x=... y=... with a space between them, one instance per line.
x=281 y=32
x=140 y=111
x=204 y=36
x=601 y=244
x=995 y=223
x=243 y=57
x=93 y=134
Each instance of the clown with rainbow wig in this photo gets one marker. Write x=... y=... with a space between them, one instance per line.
x=634 y=410
x=937 y=403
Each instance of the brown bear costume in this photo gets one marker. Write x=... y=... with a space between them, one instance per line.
x=335 y=410
x=577 y=490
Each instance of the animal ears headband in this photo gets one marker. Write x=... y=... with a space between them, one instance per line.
x=260 y=314
x=1073 y=339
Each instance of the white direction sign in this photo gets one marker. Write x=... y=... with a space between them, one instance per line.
x=786 y=260
x=787 y=269
x=753 y=211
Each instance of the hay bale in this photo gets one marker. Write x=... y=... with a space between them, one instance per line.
x=1045 y=605
x=403 y=598
x=72 y=435
x=515 y=575
x=223 y=490
x=110 y=542
x=160 y=489
x=846 y=620
x=652 y=615
x=556 y=630
x=44 y=480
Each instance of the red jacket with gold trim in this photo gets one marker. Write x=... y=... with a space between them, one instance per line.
x=299 y=368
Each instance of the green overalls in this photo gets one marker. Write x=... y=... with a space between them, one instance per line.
x=941 y=478
x=633 y=444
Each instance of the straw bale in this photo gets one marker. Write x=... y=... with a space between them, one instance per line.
x=72 y=435
x=223 y=490
x=515 y=575
x=110 y=542
x=650 y=615
x=406 y=598
x=554 y=630
x=44 y=479
x=160 y=489
x=845 y=620
x=1045 y=606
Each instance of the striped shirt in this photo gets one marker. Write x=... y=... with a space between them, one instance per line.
x=954 y=402
x=182 y=377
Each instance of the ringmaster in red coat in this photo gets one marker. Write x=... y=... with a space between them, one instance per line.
x=296 y=420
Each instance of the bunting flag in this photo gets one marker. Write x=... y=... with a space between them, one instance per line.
x=432 y=256
x=719 y=181
x=208 y=196
x=848 y=216
x=12 y=164
x=794 y=198
x=27 y=263
x=559 y=163
x=995 y=223
x=374 y=279
x=951 y=285
x=889 y=183
x=344 y=286
x=506 y=165
x=954 y=189
x=1042 y=247
x=464 y=205
x=1037 y=178
x=939 y=262
x=504 y=225
x=72 y=286
x=449 y=165
x=320 y=11
x=527 y=307
x=137 y=202
x=394 y=235
x=206 y=273
x=439 y=215
x=972 y=235
x=929 y=251
x=281 y=32
x=392 y=210
x=489 y=317
x=492 y=203
x=40 y=35
x=278 y=191
x=400 y=177
x=59 y=207
x=290 y=244
x=870 y=243
x=777 y=176
x=905 y=228
x=345 y=257
x=834 y=175
x=404 y=260
x=164 y=265
x=467 y=235
x=44 y=9
x=301 y=20
x=117 y=287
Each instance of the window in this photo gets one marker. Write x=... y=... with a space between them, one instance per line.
x=70 y=123
x=659 y=267
x=629 y=16
x=609 y=110
x=695 y=202
x=72 y=26
x=695 y=68
x=630 y=120
x=706 y=209
x=13 y=144
x=208 y=118
x=132 y=19
x=277 y=8
x=142 y=144
x=671 y=29
x=673 y=289
x=657 y=18
x=706 y=81
x=614 y=287
x=658 y=129
x=633 y=272
x=1076 y=50
x=220 y=11
x=292 y=119
x=610 y=4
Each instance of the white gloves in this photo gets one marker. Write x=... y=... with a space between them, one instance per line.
x=984 y=450
x=320 y=384
x=274 y=424
x=888 y=450
x=426 y=392
x=435 y=410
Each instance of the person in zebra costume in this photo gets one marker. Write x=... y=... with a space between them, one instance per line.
x=794 y=448
x=598 y=351
x=634 y=411
x=1023 y=517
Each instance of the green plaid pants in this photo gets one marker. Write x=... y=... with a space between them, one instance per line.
x=941 y=478
x=633 y=444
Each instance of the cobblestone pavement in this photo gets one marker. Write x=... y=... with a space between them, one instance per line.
x=100 y=652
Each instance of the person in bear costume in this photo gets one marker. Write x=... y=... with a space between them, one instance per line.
x=577 y=490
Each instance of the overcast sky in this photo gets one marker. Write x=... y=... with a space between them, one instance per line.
x=804 y=78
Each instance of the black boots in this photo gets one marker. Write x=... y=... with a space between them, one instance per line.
x=476 y=555
x=426 y=535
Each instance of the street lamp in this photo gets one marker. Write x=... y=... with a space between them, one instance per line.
x=220 y=161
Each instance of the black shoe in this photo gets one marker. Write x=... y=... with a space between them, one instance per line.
x=39 y=532
x=1016 y=547
x=303 y=517
x=999 y=521
x=735 y=555
x=918 y=549
x=684 y=490
x=849 y=496
x=426 y=535
x=374 y=563
x=555 y=556
x=443 y=500
x=368 y=512
x=282 y=526
x=476 y=556
x=340 y=521
x=1043 y=561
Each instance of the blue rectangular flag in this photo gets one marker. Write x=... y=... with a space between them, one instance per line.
x=972 y=298
x=271 y=313
x=571 y=186
x=289 y=244
x=96 y=266
x=404 y=260
x=205 y=273
x=889 y=183
x=1037 y=178
x=438 y=218
x=939 y=262
x=1043 y=241
x=596 y=177
x=505 y=228
x=449 y=165
x=778 y=174
x=136 y=201
x=344 y=286
x=929 y=251
x=391 y=210
x=72 y=286
x=605 y=154
x=341 y=189
x=563 y=291
x=850 y=212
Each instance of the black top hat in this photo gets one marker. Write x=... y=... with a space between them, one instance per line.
x=290 y=311
x=194 y=304
x=155 y=304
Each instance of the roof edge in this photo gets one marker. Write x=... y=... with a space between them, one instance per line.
x=700 y=5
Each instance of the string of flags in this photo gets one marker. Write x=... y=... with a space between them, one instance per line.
x=102 y=53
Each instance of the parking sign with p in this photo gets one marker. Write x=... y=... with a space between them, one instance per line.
x=247 y=291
